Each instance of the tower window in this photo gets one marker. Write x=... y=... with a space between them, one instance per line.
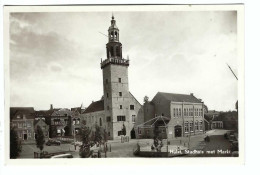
x=112 y=51
x=132 y=107
x=119 y=80
x=121 y=107
x=120 y=94
x=117 y=51
x=108 y=119
x=115 y=35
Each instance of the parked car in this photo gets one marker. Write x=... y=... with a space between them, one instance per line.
x=52 y=142
x=234 y=146
x=62 y=156
x=228 y=134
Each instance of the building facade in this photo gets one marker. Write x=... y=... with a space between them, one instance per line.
x=182 y=115
x=61 y=122
x=22 y=120
x=119 y=107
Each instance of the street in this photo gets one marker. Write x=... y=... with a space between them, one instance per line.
x=126 y=149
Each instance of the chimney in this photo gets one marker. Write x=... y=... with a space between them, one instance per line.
x=191 y=94
x=51 y=107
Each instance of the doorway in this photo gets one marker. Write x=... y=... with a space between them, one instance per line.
x=133 y=134
x=24 y=136
x=177 y=131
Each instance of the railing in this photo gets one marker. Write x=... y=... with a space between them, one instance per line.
x=118 y=61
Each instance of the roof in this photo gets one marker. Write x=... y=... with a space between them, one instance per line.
x=179 y=97
x=63 y=112
x=95 y=106
x=28 y=111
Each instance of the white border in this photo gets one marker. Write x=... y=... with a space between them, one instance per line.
x=132 y=161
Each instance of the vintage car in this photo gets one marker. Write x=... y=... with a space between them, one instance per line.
x=52 y=142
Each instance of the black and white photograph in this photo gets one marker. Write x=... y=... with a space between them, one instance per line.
x=124 y=82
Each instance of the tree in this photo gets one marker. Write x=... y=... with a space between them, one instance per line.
x=146 y=99
x=40 y=139
x=85 y=137
x=97 y=134
x=15 y=145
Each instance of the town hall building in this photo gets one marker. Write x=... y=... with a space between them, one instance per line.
x=118 y=108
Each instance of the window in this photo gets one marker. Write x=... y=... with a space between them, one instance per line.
x=162 y=114
x=120 y=94
x=184 y=114
x=24 y=125
x=133 y=118
x=29 y=125
x=119 y=80
x=108 y=133
x=108 y=119
x=56 y=121
x=20 y=134
x=120 y=133
x=132 y=107
x=121 y=107
x=100 y=122
x=139 y=131
x=179 y=112
x=74 y=122
x=173 y=112
x=191 y=127
x=19 y=125
x=107 y=95
x=196 y=126
x=120 y=118
x=106 y=81
x=107 y=107
x=200 y=126
x=186 y=125
x=112 y=51
x=78 y=120
x=18 y=116
x=29 y=134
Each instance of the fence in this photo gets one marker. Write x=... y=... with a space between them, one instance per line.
x=124 y=139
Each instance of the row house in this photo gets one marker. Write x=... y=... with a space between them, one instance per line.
x=64 y=122
x=22 y=120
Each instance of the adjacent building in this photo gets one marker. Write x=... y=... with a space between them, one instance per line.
x=22 y=120
x=180 y=115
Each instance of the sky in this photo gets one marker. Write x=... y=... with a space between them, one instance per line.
x=55 y=57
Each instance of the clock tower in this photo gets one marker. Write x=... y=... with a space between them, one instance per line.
x=115 y=86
